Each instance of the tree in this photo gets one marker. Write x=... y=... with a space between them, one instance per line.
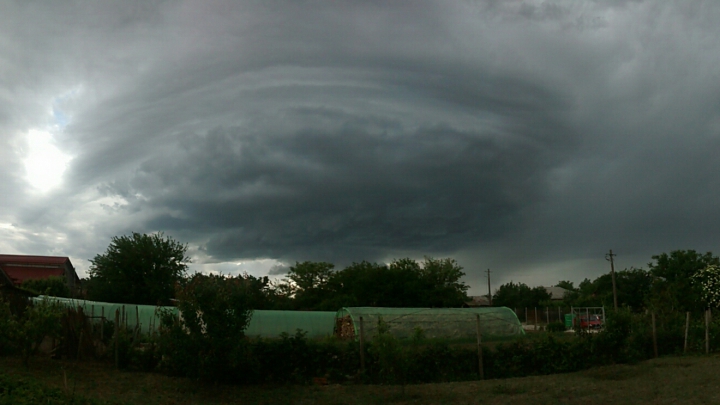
x=519 y=295
x=308 y=282
x=138 y=269
x=708 y=279
x=568 y=285
x=441 y=282
x=672 y=287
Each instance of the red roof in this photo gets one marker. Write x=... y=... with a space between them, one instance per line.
x=22 y=259
x=20 y=267
x=20 y=274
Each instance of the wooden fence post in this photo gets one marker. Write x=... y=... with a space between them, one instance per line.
x=655 y=349
x=102 y=323
x=481 y=371
x=116 y=337
x=687 y=326
x=547 y=317
x=362 y=347
x=707 y=331
x=535 y=322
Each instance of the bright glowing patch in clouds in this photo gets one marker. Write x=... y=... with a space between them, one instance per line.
x=45 y=163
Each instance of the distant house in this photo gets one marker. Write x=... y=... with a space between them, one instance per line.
x=556 y=293
x=477 y=301
x=15 y=269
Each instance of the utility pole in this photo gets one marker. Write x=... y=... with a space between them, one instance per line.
x=489 y=291
x=609 y=257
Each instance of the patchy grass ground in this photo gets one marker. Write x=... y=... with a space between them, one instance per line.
x=672 y=380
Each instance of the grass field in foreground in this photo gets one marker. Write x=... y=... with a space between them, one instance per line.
x=672 y=380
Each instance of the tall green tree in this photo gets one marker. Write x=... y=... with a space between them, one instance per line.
x=138 y=269
x=309 y=283
x=441 y=279
x=672 y=287
x=519 y=295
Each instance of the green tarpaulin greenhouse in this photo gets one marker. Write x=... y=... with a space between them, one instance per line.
x=145 y=316
x=273 y=323
x=262 y=323
x=447 y=323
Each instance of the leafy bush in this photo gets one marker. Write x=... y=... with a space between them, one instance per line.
x=54 y=286
x=25 y=331
x=206 y=341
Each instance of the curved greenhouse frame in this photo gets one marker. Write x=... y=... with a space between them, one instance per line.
x=446 y=323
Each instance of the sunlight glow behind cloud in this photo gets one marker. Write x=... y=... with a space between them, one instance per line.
x=45 y=162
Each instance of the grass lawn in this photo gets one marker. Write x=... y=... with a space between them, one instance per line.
x=671 y=380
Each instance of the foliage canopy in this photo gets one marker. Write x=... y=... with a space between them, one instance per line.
x=402 y=283
x=138 y=269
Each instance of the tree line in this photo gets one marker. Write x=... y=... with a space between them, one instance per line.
x=674 y=281
x=150 y=269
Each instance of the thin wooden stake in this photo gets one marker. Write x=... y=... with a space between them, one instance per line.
x=535 y=322
x=362 y=347
x=80 y=344
x=481 y=371
x=547 y=316
x=707 y=331
x=116 y=333
x=687 y=327
x=102 y=323
x=137 y=317
x=655 y=349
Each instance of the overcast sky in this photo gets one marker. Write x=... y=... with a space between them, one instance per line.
x=528 y=137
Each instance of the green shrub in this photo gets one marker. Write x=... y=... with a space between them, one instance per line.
x=39 y=320
x=54 y=286
x=207 y=340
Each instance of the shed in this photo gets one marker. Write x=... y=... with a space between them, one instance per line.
x=19 y=268
x=556 y=293
x=446 y=323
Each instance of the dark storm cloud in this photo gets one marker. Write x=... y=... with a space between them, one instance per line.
x=344 y=193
